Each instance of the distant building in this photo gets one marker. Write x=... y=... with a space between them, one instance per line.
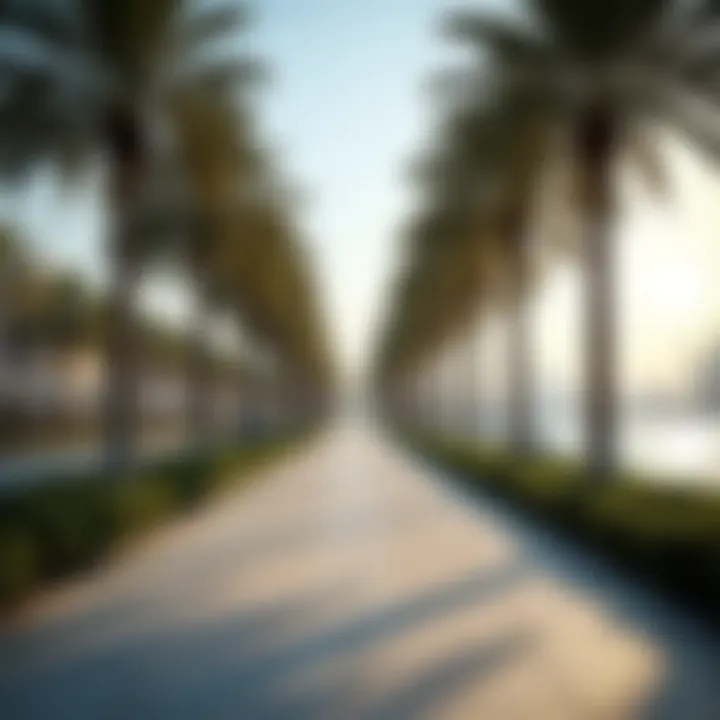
x=50 y=383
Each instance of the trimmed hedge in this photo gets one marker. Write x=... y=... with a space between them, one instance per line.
x=667 y=534
x=52 y=530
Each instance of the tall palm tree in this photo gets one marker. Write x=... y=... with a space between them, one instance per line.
x=104 y=74
x=159 y=53
x=221 y=158
x=601 y=72
x=487 y=163
x=13 y=270
x=264 y=279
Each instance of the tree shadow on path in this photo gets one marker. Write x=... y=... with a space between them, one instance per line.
x=250 y=664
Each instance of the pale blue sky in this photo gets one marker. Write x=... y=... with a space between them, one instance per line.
x=349 y=111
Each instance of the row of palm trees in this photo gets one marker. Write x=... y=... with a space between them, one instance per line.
x=564 y=87
x=52 y=328
x=159 y=90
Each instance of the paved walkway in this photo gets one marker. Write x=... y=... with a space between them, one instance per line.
x=351 y=583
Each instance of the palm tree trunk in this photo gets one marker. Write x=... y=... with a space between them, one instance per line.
x=127 y=154
x=438 y=371
x=199 y=380
x=412 y=401
x=242 y=407
x=596 y=150
x=249 y=408
x=418 y=388
x=474 y=398
x=520 y=370
x=405 y=414
x=123 y=366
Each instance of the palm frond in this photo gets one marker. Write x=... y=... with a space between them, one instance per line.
x=63 y=24
x=696 y=117
x=595 y=31
x=205 y=25
x=497 y=37
x=648 y=161
x=130 y=35
x=221 y=76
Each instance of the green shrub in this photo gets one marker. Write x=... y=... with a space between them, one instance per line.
x=667 y=533
x=139 y=504
x=227 y=467
x=71 y=526
x=189 y=478
x=49 y=531
x=642 y=513
x=18 y=564
x=551 y=486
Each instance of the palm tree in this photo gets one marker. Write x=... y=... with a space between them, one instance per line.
x=13 y=272
x=263 y=277
x=159 y=52
x=221 y=158
x=484 y=172
x=434 y=301
x=105 y=74
x=599 y=71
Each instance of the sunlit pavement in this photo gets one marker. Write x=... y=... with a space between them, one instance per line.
x=353 y=582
